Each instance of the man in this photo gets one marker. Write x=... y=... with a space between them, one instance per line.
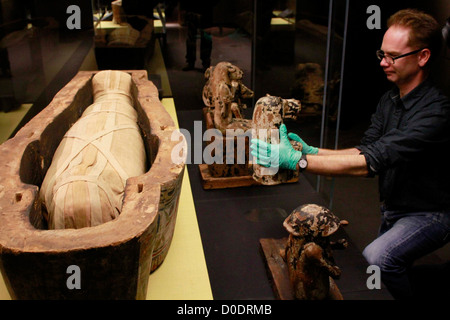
x=405 y=145
x=198 y=16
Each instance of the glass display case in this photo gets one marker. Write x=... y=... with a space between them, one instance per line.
x=323 y=53
x=320 y=52
x=298 y=53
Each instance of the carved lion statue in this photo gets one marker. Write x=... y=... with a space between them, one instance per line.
x=223 y=92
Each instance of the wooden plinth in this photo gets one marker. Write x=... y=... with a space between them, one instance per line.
x=278 y=271
x=210 y=182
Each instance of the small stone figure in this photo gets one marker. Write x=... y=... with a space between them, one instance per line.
x=269 y=113
x=223 y=92
x=308 y=252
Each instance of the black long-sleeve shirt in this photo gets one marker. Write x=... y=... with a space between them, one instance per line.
x=407 y=145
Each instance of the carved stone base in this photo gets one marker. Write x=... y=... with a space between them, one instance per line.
x=277 y=271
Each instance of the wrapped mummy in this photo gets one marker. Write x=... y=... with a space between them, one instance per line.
x=85 y=183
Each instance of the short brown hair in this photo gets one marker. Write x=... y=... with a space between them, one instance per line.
x=425 y=31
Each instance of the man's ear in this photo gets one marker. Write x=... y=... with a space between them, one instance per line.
x=424 y=57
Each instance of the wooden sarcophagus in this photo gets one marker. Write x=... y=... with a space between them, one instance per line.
x=105 y=258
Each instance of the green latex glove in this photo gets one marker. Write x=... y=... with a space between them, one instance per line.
x=306 y=148
x=281 y=155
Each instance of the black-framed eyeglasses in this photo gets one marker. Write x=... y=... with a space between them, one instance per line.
x=390 y=59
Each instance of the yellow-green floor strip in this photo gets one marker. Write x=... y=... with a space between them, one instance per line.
x=10 y=120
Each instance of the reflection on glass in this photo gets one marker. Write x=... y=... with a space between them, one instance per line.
x=298 y=49
x=35 y=48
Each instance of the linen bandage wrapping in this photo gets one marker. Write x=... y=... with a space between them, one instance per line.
x=85 y=183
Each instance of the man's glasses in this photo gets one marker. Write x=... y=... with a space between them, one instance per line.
x=390 y=59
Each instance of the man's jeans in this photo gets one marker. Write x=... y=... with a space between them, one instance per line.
x=403 y=238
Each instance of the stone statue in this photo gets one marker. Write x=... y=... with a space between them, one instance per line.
x=268 y=114
x=308 y=251
x=222 y=94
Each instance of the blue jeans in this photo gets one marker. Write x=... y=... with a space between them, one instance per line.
x=403 y=238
